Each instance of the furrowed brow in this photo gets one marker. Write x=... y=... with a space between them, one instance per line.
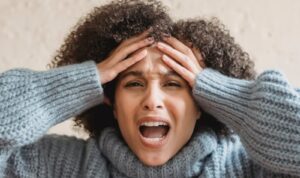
x=171 y=73
x=131 y=73
x=141 y=74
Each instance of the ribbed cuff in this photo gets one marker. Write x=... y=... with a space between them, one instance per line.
x=32 y=102
x=264 y=112
x=218 y=95
x=70 y=90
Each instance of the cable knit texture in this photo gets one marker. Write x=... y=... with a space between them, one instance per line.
x=264 y=113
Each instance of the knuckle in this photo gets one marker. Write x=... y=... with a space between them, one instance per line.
x=188 y=51
x=131 y=48
x=142 y=43
x=112 y=74
x=139 y=45
x=186 y=58
x=126 y=50
x=182 y=70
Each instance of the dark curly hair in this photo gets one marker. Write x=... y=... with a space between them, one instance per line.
x=102 y=30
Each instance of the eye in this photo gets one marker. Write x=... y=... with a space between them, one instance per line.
x=173 y=84
x=134 y=84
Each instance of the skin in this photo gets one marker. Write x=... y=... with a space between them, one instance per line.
x=155 y=94
x=152 y=93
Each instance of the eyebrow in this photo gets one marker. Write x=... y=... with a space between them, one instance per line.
x=141 y=74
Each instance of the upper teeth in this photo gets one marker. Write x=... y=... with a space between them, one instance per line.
x=151 y=124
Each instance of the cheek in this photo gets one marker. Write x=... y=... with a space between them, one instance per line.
x=183 y=108
x=125 y=111
x=124 y=106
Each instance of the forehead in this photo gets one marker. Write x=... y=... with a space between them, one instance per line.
x=152 y=64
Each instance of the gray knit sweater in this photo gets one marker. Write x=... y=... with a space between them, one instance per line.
x=265 y=114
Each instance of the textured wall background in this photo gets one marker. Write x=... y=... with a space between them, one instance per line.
x=32 y=30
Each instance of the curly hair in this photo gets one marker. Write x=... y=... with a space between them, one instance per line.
x=101 y=31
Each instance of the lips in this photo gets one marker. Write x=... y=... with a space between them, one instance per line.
x=153 y=131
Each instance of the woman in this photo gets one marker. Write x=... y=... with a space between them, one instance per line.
x=157 y=104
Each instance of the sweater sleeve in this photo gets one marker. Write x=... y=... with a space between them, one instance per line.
x=265 y=113
x=31 y=101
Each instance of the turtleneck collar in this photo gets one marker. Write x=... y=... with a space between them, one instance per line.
x=188 y=162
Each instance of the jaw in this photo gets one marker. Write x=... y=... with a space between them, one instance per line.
x=154 y=159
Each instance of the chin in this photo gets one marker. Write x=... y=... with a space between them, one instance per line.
x=154 y=160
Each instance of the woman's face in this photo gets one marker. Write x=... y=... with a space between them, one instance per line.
x=155 y=109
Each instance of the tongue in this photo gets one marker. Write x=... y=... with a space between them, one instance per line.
x=154 y=132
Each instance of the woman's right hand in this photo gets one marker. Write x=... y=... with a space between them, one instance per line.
x=120 y=58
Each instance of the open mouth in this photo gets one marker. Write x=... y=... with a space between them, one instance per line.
x=154 y=131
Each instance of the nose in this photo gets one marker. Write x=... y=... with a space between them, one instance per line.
x=153 y=99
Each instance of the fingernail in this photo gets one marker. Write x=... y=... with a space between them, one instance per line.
x=150 y=29
x=150 y=39
x=166 y=36
x=190 y=44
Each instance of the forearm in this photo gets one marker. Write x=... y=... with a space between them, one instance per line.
x=265 y=113
x=32 y=102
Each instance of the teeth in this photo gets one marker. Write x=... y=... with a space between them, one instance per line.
x=153 y=124
x=154 y=139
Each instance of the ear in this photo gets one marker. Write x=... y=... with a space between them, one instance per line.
x=107 y=102
x=199 y=114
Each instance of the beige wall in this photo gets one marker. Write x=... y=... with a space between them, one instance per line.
x=31 y=31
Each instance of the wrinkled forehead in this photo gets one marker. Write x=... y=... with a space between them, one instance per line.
x=152 y=64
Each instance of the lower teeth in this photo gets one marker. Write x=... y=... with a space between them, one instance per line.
x=154 y=139
x=154 y=132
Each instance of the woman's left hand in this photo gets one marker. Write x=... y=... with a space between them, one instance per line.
x=186 y=61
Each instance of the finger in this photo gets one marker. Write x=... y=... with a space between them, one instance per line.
x=136 y=38
x=178 y=45
x=182 y=71
x=199 y=57
x=127 y=50
x=130 y=61
x=185 y=48
x=176 y=55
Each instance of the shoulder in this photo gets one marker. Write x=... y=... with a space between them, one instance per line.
x=57 y=153
x=66 y=144
x=49 y=147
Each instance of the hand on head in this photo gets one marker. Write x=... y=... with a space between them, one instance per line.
x=187 y=61
x=120 y=58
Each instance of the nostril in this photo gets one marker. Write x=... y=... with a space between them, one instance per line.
x=152 y=107
x=152 y=102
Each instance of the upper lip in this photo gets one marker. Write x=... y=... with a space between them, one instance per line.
x=153 y=119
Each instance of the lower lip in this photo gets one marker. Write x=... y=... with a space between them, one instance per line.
x=155 y=143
